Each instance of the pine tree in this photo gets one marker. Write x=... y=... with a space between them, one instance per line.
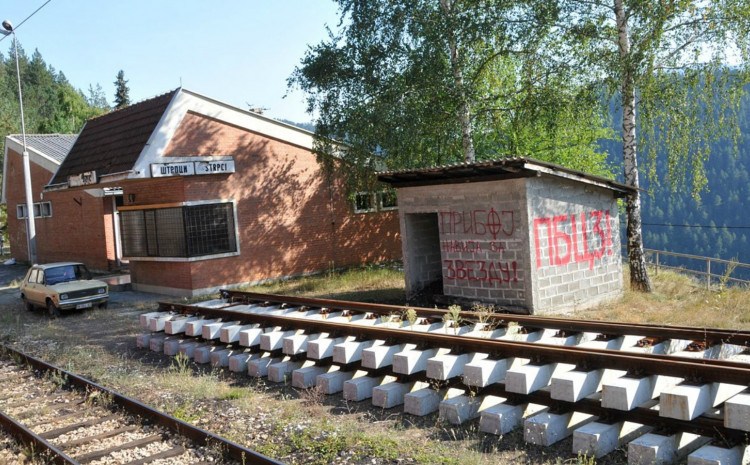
x=122 y=97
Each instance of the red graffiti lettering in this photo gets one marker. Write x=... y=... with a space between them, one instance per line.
x=588 y=241
x=487 y=271
x=478 y=222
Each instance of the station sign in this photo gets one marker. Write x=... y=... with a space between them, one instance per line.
x=214 y=167
x=191 y=168
x=82 y=179
x=161 y=170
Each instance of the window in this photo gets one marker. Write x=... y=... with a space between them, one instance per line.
x=365 y=202
x=41 y=210
x=387 y=200
x=185 y=231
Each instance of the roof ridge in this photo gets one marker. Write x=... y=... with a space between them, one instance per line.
x=133 y=107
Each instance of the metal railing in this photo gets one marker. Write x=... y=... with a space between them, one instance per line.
x=720 y=273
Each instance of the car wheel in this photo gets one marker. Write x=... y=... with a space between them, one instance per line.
x=26 y=304
x=103 y=305
x=52 y=309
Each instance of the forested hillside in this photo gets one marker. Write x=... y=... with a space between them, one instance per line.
x=716 y=224
x=51 y=103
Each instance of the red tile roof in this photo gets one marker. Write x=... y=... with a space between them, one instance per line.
x=111 y=143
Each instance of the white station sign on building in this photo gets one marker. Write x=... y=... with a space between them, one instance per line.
x=191 y=168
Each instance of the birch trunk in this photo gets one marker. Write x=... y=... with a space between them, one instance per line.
x=639 y=279
x=464 y=109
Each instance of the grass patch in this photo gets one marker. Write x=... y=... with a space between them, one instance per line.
x=677 y=300
x=371 y=283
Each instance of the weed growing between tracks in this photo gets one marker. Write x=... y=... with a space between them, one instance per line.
x=303 y=427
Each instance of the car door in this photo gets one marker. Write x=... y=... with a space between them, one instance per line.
x=34 y=289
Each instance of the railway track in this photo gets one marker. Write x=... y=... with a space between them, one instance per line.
x=662 y=391
x=59 y=417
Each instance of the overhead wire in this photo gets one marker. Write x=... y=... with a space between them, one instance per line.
x=26 y=19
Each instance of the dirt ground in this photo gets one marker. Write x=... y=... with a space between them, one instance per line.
x=292 y=426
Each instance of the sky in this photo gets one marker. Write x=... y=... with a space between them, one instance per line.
x=238 y=52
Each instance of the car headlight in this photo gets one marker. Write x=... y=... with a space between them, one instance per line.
x=101 y=290
x=63 y=296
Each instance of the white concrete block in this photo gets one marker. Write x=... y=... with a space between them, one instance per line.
x=627 y=393
x=360 y=388
x=481 y=373
x=689 y=401
x=213 y=330
x=189 y=349
x=231 y=333
x=178 y=325
x=259 y=367
x=323 y=347
x=282 y=372
x=157 y=324
x=220 y=358
x=459 y=409
x=737 y=412
x=444 y=367
x=351 y=351
x=657 y=449
x=238 y=362
x=599 y=439
x=382 y=355
x=714 y=455
x=172 y=345
x=250 y=337
x=413 y=361
x=145 y=318
x=297 y=344
x=156 y=342
x=525 y=379
x=333 y=382
x=195 y=327
x=392 y=394
x=143 y=341
x=574 y=385
x=422 y=402
x=274 y=340
x=304 y=378
x=545 y=429
x=203 y=354
x=503 y=418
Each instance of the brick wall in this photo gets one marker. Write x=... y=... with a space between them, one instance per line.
x=290 y=219
x=575 y=236
x=482 y=239
x=74 y=232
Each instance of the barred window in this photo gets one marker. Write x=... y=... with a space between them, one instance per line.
x=187 y=231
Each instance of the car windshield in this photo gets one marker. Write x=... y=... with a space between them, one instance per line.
x=61 y=274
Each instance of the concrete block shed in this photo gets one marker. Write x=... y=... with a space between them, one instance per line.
x=526 y=235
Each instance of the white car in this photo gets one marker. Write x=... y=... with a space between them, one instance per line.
x=62 y=286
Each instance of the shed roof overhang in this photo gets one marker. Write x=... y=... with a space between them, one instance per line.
x=497 y=170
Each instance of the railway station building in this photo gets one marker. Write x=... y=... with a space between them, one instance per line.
x=518 y=233
x=194 y=195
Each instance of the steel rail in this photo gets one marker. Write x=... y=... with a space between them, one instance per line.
x=710 y=336
x=32 y=440
x=195 y=434
x=702 y=370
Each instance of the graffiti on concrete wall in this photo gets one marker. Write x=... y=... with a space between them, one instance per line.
x=480 y=237
x=574 y=238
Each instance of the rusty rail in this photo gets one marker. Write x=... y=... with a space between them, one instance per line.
x=710 y=336
x=195 y=434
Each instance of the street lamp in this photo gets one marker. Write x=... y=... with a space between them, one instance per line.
x=30 y=226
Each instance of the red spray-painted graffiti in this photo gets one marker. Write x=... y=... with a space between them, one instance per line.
x=578 y=246
x=481 y=270
x=478 y=222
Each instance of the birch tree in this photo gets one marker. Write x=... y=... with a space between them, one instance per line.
x=415 y=83
x=678 y=68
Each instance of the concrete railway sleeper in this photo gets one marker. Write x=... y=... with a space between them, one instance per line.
x=66 y=419
x=662 y=396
